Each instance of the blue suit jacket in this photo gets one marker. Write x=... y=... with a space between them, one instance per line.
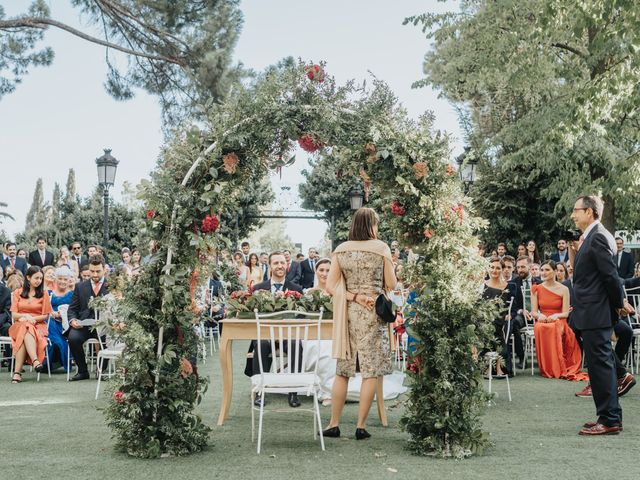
x=21 y=264
x=597 y=287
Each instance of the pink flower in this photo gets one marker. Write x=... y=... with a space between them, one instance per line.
x=118 y=396
x=151 y=214
x=186 y=368
x=309 y=143
x=292 y=293
x=428 y=233
x=398 y=209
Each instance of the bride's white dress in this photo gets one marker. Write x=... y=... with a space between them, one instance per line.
x=392 y=385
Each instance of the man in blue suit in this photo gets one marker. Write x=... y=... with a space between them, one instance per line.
x=13 y=260
x=562 y=254
x=599 y=301
x=624 y=260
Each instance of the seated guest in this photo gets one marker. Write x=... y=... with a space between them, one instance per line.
x=85 y=273
x=22 y=253
x=535 y=270
x=558 y=351
x=5 y=310
x=521 y=307
x=79 y=309
x=522 y=250
x=277 y=284
x=30 y=309
x=502 y=250
x=49 y=273
x=497 y=287
x=508 y=271
x=562 y=254
x=65 y=282
x=532 y=252
x=562 y=273
x=64 y=258
x=14 y=281
x=12 y=259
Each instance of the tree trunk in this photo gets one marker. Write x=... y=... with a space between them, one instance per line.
x=609 y=215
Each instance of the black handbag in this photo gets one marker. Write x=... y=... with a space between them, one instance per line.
x=385 y=308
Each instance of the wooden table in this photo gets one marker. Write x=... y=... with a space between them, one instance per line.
x=245 y=329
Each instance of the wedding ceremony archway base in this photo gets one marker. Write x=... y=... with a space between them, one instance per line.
x=199 y=181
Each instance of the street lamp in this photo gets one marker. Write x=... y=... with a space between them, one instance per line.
x=107 y=166
x=355 y=199
x=466 y=169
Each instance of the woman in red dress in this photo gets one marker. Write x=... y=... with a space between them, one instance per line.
x=30 y=309
x=558 y=352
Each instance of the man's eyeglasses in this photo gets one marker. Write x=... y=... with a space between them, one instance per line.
x=575 y=209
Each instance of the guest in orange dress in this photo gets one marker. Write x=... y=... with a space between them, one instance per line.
x=558 y=352
x=30 y=309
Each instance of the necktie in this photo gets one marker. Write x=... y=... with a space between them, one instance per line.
x=288 y=267
x=42 y=257
x=278 y=287
x=13 y=262
x=96 y=288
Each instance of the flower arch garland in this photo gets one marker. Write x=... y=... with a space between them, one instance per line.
x=200 y=175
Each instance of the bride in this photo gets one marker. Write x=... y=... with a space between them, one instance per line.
x=327 y=365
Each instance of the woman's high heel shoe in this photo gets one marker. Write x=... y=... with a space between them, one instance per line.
x=38 y=368
x=361 y=434
x=333 y=432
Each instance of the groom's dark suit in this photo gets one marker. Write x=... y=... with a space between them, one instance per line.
x=79 y=309
x=598 y=293
x=253 y=366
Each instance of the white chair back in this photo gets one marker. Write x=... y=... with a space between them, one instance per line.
x=633 y=297
x=289 y=332
x=63 y=309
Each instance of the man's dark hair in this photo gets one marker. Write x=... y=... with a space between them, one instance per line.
x=594 y=203
x=300 y=255
x=243 y=244
x=620 y=238
x=263 y=253
x=10 y=244
x=84 y=268
x=274 y=253
x=41 y=238
x=502 y=244
x=92 y=246
x=509 y=258
x=96 y=260
x=525 y=257
x=286 y=251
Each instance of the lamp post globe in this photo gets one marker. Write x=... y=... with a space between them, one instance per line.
x=107 y=166
x=356 y=199
x=466 y=169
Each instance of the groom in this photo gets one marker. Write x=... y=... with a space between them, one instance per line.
x=599 y=300
x=278 y=283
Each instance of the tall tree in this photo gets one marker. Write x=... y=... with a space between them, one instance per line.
x=549 y=85
x=179 y=50
x=56 y=203
x=70 y=192
x=37 y=215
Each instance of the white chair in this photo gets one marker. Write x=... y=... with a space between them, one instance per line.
x=633 y=357
x=529 y=338
x=286 y=376
x=5 y=347
x=212 y=333
x=110 y=351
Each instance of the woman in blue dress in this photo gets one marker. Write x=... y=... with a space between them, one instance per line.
x=58 y=346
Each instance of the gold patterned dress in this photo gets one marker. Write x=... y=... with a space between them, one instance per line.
x=368 y=335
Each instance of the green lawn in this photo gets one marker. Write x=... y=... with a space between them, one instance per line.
x=535 y=436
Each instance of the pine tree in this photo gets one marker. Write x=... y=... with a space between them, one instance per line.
x=37 y=215
x=55 y=204
x=70 y=195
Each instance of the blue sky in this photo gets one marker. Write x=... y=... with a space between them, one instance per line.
x=60 y=117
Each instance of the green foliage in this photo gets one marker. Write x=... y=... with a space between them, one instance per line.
x=4 y=215
x=405 y=161
x=548 y=85
x=178 y=50
x=37 y=215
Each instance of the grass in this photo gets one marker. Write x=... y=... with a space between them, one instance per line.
x=535 y=436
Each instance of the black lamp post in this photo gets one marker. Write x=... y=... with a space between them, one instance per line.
x=466 y=169
x=107 y=166
x=356 y=199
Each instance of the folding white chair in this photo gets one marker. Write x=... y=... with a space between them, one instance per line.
x=112 y=351
x=529 y=337
x=287 y=376
x=212 y=333
x=5 y=348
x=633 y=357
x=493 y=357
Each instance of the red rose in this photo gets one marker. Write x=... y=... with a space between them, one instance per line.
x=310 y=74
x=309 y=143
x=397 y=208
x=315 y=73
x=210 y=223
x=151 y=214
x=118 y=396
x=293 y=293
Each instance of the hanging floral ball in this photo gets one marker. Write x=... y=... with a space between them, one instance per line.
x=186 y=368
x=315 y=73
x=151 y=214
x=309 y=143
x=118 y=396
x=230 y=162
x=420 y=170
x=397 y=208
x=210 y=224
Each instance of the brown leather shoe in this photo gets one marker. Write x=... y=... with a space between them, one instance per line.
x=585 y=392
x=593 y=424
x=625 y=384
x=600 y=429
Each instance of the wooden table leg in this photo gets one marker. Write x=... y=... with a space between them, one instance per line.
x=380 y=401
x=226 y=365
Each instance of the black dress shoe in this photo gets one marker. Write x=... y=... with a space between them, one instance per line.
x=361 y=434
x=333 y=432
x=293 y=400
x=257 y=401
x=79 y=376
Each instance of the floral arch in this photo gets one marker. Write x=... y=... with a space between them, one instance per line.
x=198 y=178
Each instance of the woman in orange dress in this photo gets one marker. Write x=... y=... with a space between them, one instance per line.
x=30 y=309
x=558 y=352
